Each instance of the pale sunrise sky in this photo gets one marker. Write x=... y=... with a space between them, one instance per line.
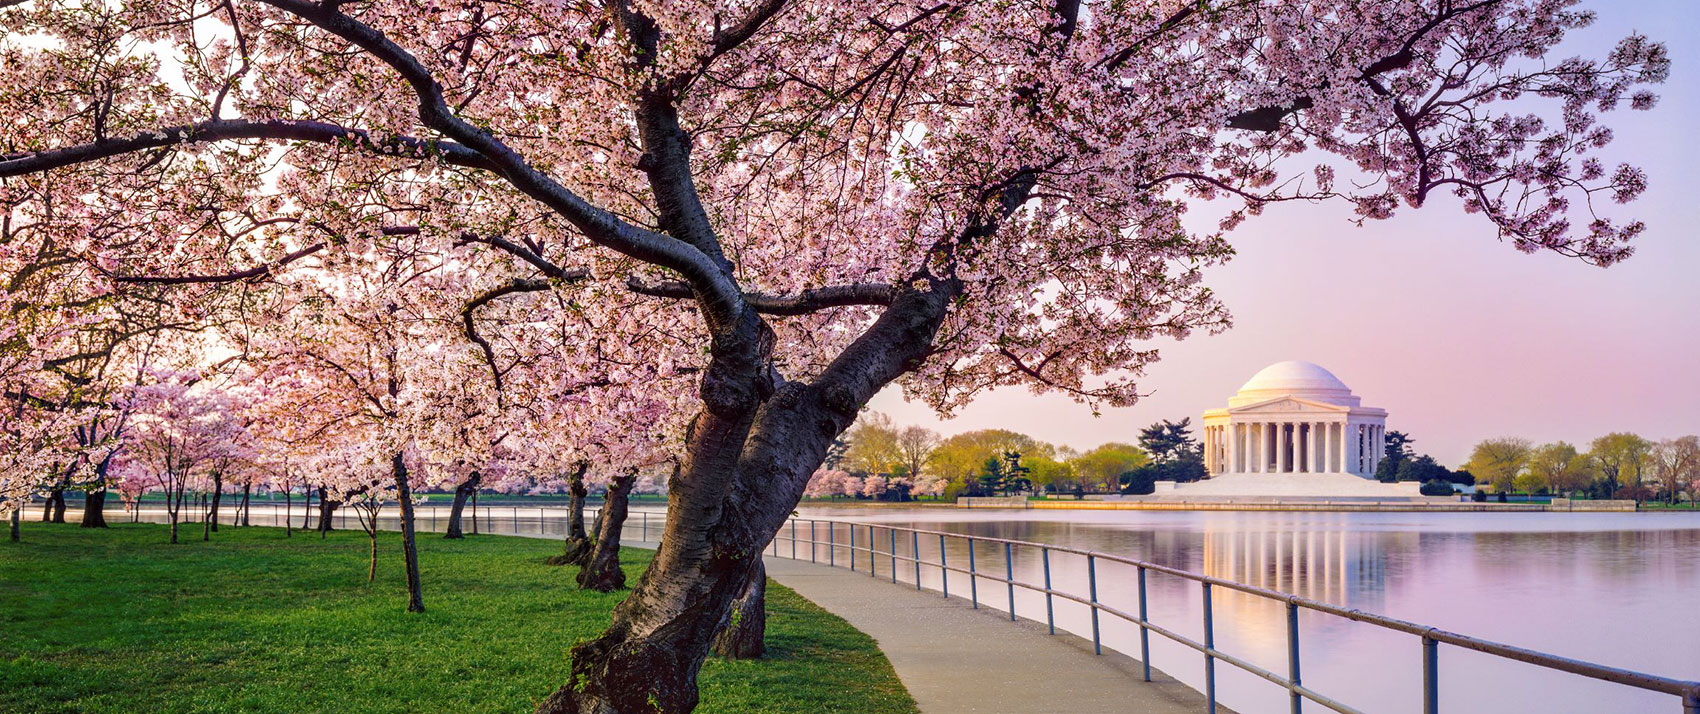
x=1427 y=315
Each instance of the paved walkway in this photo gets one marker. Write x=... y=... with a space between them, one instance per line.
x=955 y=659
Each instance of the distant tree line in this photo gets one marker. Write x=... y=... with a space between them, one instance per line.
x=1618 y=465
x=878 y=460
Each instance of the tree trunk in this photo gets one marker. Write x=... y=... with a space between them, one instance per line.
x=288 y=525
x=217 y=498
x=94 y=508
x=327 y=508
x=94 y=503
x=409 y=547
x=242 y=508
x=55 y=506
x=579 y=546
x=462 y=492
x=372 y=554
x=744 y=631
x=15 y=520
x=174 y=505
x=749 y=452
x=306 y=507
x=602 y=573
x=475 y=511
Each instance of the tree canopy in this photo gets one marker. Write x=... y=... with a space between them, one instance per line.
x=589 y=226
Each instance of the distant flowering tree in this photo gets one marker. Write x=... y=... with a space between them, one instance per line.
x=180 y=426
x=795 y=202
x=874 y=486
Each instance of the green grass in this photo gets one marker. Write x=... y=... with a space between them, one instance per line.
x=119 y=621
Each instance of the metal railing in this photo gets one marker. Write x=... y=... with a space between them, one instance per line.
x=428 y=518
x=1430 y=638
x=865 y=555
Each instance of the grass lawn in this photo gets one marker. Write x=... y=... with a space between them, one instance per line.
x=119 y=621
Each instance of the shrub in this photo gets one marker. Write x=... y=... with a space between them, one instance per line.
x=1436 y=487
x=1141 y=481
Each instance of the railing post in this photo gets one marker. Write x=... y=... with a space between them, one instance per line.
x=645 y=519
x=1144 y=631
x=873 y=555
x=516 y=520
x=1050 y=613
x=892 y=532
x=1209 y=660
x=1092 y=589
x=1431 y=675
x=831 y=544
x=915 y=550
x=1293 y=657
x=944 y=570
x=1009 y=577
x=852 y=547
x=793 y=539
x=973 y=580
x=812 y=540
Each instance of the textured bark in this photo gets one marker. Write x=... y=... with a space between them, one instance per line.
x=579 y=547
x=743 y=633
x=327 y=509
x=372 y=551
x=15 y=519
x=217 y=499
x=602 y=572
x=748 y=455
x=54 y=510
x=462 y=492
x=242 y=508
x=94 y=508
x=174 y=507
x=409 y=547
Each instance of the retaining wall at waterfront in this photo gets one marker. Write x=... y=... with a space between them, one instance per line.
x=1438 y=505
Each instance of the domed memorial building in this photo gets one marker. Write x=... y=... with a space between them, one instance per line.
x=1293 y=429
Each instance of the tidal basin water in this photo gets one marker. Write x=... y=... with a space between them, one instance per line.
x=1621 y=589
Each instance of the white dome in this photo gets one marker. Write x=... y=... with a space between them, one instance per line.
x=1297 y=379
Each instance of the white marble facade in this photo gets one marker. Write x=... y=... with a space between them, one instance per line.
x=1294 y=418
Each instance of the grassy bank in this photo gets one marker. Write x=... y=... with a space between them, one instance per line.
x=119 y=621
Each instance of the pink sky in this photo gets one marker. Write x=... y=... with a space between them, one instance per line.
x=1458 y=336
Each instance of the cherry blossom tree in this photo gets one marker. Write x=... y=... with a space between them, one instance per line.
x=180 y=427
x=825 y=198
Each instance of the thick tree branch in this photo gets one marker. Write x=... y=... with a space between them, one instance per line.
x=255 y=273
x=715 y=289
x=470 y=327
x=19 y=164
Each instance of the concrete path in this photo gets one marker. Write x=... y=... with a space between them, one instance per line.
x=955 y=659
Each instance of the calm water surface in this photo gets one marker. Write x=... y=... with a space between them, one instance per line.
x=1621 y=589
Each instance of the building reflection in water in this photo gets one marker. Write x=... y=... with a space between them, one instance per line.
x=1611 y=588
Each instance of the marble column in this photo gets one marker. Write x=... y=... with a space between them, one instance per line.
x=1351 y=440
x=1251 y=447
x=1298 y=447
x=1287 y=435
x=1340 y=446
